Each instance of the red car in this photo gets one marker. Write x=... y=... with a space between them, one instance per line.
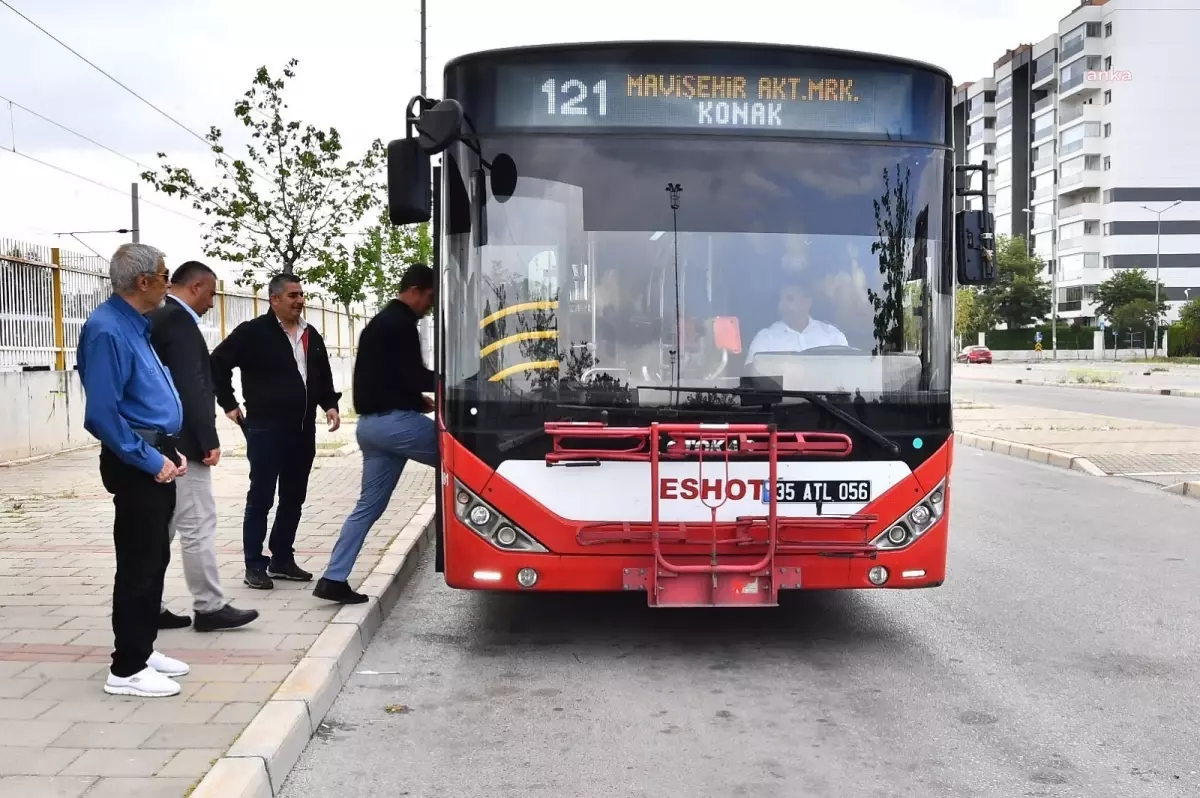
x=975 y=354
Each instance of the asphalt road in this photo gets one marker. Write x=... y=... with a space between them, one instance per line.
x=1181 y=410
x=1058 y=660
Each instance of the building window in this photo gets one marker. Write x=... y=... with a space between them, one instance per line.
x=1093 y=29
x=1107 y=162
x=1107 y=96
x=1108 y=63
x=1107 y=129
x=1107 y=29
x=1107 y=195
x=989 y=149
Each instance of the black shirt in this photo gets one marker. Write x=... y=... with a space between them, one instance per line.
x=389 y=372
x=274 y=391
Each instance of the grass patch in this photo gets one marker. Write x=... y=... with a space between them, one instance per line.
x=331 y=445
x=1090 y=377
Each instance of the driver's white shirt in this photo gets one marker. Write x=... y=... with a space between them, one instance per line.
x=781 y=338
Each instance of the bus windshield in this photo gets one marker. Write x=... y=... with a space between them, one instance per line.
x=630 y=263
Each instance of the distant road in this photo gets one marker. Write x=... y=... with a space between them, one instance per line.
x=1140 y=407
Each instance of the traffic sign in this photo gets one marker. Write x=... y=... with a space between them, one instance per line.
x=1037 y=347
x=1037 y=336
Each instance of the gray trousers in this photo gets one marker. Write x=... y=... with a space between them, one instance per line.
x=195 y=522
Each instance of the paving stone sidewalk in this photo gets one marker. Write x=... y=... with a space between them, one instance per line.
x=60 y=734
x=1165 y=454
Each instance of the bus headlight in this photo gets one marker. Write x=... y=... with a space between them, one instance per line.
x=482 y=519
x=914 y=523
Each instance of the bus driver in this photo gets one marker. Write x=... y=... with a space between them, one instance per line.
x=796 y=330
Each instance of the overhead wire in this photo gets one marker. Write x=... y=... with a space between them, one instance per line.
x=97 y=183
x=93 y=65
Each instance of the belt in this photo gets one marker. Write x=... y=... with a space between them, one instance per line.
x=154 y=438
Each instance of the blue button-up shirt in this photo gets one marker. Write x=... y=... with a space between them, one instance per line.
x=125 y=384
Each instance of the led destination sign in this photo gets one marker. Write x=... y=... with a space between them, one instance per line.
x=813 y=102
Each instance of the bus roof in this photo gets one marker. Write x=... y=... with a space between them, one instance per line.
x=506 y=53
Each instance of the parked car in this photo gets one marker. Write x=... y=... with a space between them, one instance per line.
x=975 y=354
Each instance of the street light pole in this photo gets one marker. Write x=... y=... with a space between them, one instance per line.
x=1157 y=264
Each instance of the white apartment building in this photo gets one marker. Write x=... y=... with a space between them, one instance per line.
x=1093 y=134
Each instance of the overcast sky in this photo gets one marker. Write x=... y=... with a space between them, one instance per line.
x=359 y=62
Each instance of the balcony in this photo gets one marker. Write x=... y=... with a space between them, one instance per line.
x=1074 y=114
x=1085 y=243
x=979 y=110
x=1070 y=49
x=1079 y=181
x=1045 y=104
x=1040 y=166
x=1044 y=192
x=1045 y=74
x=1003 y=95
x=1043 y=134
x=1084 y=210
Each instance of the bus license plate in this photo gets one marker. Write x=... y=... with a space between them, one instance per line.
x=801 y=491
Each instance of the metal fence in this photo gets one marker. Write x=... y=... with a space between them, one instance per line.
x=46 y=294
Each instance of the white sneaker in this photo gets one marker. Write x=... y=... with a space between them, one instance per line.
x=147 y=683
x=166 y=665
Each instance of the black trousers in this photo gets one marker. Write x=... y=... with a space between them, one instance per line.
x=279 y=457
x=141 y=535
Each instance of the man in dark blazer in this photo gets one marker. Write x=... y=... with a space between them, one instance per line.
x=176 y=336
x=285 y=376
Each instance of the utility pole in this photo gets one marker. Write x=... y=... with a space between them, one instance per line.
x=136 y=226
x=1157 y=259
x=422 y=48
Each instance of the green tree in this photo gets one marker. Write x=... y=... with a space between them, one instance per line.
x=1019 y=297
x=1125 y=287
x=1189 y=325
x=290 y=201
x=972 y=313
x=344 y=275
x=1137 y=314
x=394 y=249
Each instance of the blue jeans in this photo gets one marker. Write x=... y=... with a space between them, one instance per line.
x=388 y=441
x=279 y=457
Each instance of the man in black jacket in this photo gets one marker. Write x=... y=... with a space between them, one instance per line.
x=176 y=337
x=285 y=376
x=390 y=379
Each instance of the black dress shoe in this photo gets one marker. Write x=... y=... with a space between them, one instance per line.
x=258 y=579
x=228 y=617
x=338 y=591
x=169 y=620
x=291 y=572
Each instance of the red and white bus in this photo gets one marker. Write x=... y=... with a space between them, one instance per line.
x=694 y=332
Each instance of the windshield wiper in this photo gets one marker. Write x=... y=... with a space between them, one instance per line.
x=772 y=394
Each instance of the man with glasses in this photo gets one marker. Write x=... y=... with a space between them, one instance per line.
x=132 y=408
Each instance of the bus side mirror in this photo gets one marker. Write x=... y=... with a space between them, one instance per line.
x=727 y=334
x=973 y=248
x=410 y=187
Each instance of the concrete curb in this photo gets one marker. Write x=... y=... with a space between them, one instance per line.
x=1097 y=386
x=261 y=758
x=1024 y=451
x=1189 y=489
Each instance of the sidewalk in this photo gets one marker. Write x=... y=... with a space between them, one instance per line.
x=60 y=734
x=1153 y=378
x=1162 y=453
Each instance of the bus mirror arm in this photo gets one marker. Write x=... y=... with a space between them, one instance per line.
x=974 y=233
x=431 y=126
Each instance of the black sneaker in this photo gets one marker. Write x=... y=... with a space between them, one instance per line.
x=169 y=620
x=228 y=617
x=290 y=572
x=338 y=591
x=257 y=578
